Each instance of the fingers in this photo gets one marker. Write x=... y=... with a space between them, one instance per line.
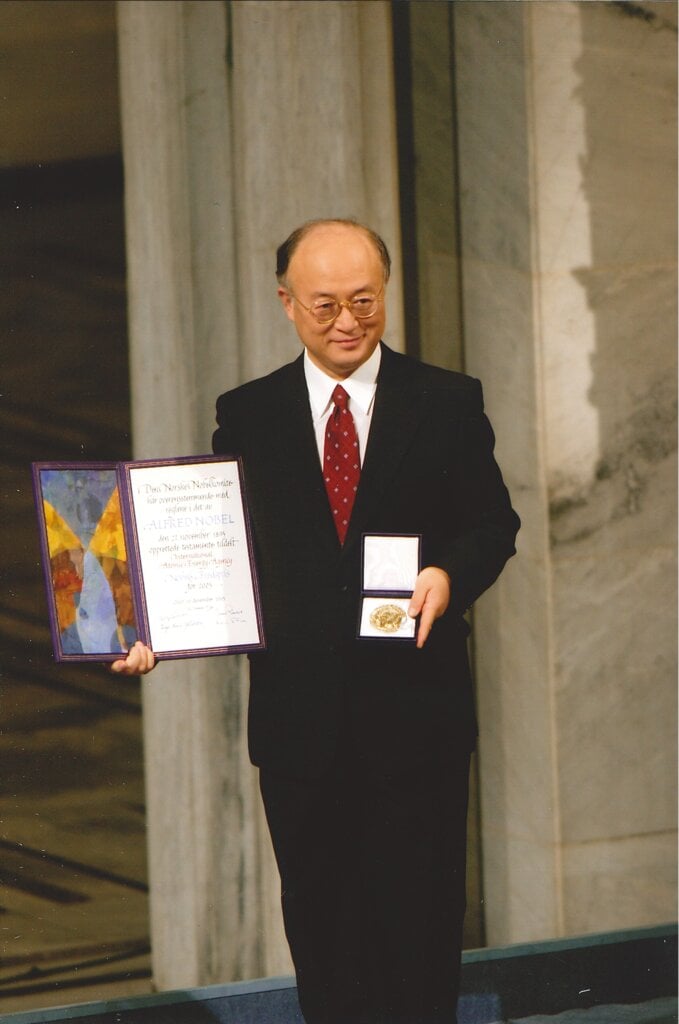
x=430 y=599
x=140 y=660
x=424 y=629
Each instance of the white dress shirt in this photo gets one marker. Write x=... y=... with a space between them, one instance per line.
x=360 y=387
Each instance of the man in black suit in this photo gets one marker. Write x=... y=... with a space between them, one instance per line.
x=363 y=744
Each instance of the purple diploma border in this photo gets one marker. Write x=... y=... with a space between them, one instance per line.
x=97 y=601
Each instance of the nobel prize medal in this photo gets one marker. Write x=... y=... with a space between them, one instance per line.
x=388 y=618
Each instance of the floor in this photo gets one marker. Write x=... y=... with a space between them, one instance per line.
x=273 y=1001
x=654 y=1011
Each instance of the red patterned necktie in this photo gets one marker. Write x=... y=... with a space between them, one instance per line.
x=341 y=461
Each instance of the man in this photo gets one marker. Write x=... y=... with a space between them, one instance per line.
x=363 y=745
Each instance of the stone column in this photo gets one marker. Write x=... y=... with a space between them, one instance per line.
x=567 y=124
x=313 y=116
x=239 y=121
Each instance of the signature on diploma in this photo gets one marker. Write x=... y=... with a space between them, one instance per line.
x=235 y=614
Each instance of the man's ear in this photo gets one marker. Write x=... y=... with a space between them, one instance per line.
x=288 y=302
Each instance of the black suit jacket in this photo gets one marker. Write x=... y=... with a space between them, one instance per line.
x=428 y=469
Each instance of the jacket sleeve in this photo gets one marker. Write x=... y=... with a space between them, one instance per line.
x=480 y=549
x=224 y=441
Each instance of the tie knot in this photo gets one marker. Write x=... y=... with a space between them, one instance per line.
x=340 y=397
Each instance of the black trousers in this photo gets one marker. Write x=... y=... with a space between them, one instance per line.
x=372 y=867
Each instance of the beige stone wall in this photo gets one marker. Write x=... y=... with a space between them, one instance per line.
x=313 y=124
x=567 y=152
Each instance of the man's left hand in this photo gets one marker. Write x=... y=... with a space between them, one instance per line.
x=430 y=599
x=140 y=660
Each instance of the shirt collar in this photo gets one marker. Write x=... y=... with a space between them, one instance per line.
x=360 y=386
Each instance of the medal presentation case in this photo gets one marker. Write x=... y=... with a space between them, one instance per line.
x=158 y=551
x=390 y=566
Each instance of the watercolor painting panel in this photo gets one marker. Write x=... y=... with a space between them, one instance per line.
x=90 y=582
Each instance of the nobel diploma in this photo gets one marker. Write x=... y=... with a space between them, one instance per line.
x=195 y=560
x=158 y=551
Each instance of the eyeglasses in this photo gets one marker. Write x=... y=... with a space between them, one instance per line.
x=325 y=311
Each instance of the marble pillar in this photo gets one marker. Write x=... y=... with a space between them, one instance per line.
x=567 y=134
x=240 y=121
x=314 y=124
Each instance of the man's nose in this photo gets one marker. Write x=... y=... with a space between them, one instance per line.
x=346 y=320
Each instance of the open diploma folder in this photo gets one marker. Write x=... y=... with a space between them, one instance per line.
x=158 y=551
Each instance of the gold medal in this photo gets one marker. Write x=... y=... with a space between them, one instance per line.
x=388 y=618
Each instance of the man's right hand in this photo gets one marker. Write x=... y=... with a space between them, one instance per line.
x=140 y=660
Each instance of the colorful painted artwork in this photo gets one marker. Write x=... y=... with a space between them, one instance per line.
x=88 y=560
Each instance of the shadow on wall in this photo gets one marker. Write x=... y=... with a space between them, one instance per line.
x=71 y=759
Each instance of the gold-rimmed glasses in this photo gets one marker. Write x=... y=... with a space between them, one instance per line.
x=327 y=309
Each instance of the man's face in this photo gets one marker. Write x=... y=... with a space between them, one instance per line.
x=338 y=262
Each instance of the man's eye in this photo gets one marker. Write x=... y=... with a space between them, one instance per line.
x=324 y=307
x=363 y=302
